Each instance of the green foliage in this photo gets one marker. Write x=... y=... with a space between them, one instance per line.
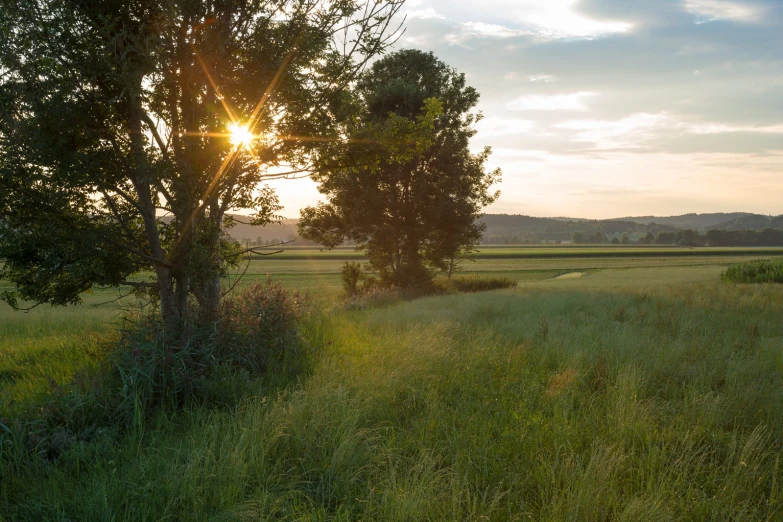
x=115 y=114
x=666 y=238
x=351 y=274
x=411 y=200
x=757 y=271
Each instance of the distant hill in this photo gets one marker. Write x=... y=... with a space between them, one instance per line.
x=694 y=221
x=518 y=229
x=750 y=222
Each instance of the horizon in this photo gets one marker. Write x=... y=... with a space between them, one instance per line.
x=599 y=108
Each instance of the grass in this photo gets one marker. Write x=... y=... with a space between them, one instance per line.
x=630 y=393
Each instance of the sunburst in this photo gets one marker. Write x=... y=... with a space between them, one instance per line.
x=240 y=135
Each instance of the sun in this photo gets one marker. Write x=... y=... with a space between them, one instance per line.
x=239 y=135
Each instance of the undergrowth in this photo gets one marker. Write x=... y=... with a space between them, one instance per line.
x=757 y=271
x=255 y=344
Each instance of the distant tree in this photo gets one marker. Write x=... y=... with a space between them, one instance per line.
x=577 y=238
x=648 y=239
x=625 y=240
x=689 y=238
x=615 y=241
x=115 y=113
x=665 y=238
x=412 y=203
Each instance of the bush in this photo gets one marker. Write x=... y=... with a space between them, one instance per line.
x=476 y=283
x=351 y=275
x=757 y=271
x=256 y=338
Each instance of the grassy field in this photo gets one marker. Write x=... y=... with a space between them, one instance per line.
x=636 y=388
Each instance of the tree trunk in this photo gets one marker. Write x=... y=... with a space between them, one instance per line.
x=172 y=307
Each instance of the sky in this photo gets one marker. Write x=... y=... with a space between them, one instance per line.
x=611 y=108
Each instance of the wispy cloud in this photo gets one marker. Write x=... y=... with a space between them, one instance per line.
x=559 y=19
x=709 y=10
x=543 y=78
x=628 y=132
x=557 y=102
x=424 y=14
x=495 y=126
x=722 y=128
x=491 y=30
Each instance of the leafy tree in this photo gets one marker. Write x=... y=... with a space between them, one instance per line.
x=665 y=238
x=648 y=239
x=615 y=241
x=413 y=205
x=577 y=238
x=625 y=240
x=689 y=237
x=129 y=131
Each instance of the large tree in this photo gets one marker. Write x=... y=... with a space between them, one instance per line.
x=130 y=129
x=412 y=209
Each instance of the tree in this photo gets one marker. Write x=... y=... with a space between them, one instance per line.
x=578 y=238
x=689 y=238
x=412 y=205
x=625 y=240
x=129 y=130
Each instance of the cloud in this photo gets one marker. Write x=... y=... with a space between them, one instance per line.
x=490 y=30
x=543 y=78
x=722 y=128
x=495 y=126
x=559 y=19
x=710 y=10
x=629 y=132
x=544 y=20
x=556 y=102
x=423 y=14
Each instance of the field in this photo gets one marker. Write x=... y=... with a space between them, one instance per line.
x=612 y=384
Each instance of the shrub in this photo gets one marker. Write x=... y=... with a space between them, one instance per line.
x=757 y=271
x=351 y=275
x=256 y=331
x=478 y=283
x=256 y=337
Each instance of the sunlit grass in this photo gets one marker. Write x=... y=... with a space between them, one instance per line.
x=646 y=393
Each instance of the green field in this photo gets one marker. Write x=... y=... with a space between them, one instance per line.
x=637 y=387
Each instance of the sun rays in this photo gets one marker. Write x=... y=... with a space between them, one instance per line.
x=240 y=136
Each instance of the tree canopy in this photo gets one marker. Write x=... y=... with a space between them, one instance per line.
x=412 y=209
x=130 y=129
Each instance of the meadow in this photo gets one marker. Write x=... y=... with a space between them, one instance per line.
x=604 y=387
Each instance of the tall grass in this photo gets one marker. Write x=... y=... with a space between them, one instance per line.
x=525 y=404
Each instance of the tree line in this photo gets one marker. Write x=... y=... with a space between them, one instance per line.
x=690 y=238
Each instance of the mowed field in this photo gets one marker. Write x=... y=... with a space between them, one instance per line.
x=615 y=383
